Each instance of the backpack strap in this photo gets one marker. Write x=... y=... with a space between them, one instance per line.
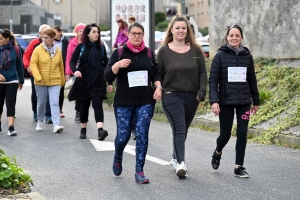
x=81 y=51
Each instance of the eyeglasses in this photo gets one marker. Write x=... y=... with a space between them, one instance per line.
x=137 y=34
x=1 y=31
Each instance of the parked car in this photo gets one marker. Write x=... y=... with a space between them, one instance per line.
x=23 y=41
x=205 y=48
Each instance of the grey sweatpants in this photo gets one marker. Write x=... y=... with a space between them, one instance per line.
x=42 y=94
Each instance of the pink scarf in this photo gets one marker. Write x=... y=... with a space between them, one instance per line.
x=135 y=49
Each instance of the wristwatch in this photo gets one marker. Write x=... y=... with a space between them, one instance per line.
x=159 y=87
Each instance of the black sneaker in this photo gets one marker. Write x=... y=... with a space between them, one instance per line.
x=215 y=162
x=48 y=120
x=82 y=133
x=102 y=134
x=11 y=131
x=77 y=117
x=241 y=172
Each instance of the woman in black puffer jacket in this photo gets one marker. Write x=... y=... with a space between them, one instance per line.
x=233 y=86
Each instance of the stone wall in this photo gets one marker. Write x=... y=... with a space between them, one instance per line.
x=271 y=27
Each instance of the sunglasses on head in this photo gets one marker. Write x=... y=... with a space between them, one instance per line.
x=1 y=30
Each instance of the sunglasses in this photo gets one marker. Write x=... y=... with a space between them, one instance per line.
x=1 y=31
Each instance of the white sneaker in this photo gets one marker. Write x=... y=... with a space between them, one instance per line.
x=181 y=170
x=173 y=163
x=58 y=129
x=39 y=126
x=12 y=133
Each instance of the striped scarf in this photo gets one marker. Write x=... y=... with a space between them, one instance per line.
x=5 y=59
x=236 y=50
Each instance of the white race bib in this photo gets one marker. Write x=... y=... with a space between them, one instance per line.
x=237 y=74
x=138 y=78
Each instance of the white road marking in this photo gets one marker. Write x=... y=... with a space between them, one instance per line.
x=110 y=146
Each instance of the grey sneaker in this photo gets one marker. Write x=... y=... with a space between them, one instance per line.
x=58 y=129
x=39 y=126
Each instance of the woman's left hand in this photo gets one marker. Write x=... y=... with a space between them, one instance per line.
x=157 y=94
x=110 y=88
x=20 y=86
x=254 y=109
x=2 y=78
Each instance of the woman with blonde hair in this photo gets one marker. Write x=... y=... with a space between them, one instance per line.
x=184 y=79
x=48 y=71
x=78 y=30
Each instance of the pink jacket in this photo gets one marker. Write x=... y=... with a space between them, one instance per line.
x=71 y=48
x=121 y=37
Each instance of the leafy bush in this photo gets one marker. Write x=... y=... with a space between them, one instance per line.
x=204 y=31
x=264 y=96
x=162 y=26
x=12 y=176
x=159 y=17
x=103 y=27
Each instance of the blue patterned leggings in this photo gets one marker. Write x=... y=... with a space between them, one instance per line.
x=124 y=116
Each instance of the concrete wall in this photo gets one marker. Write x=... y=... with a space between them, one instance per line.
x=271 y=27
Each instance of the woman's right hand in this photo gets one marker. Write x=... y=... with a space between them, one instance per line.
x=215 y=108
x=67 y=77
x=2 y=78
x=124 y=63
x=78 y=74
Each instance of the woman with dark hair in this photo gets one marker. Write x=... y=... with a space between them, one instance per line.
x=47 y=68
x=233 y=88
x=136 y=71
x=184 y=80
x=11 y=77
x=122 y=37
x=62 y=42
x=89 y=85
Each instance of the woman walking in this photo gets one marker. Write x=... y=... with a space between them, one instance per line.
x=136 y=70
x=47 y=68
x=233 y=87
x=11 y=77
x=184 y=80
x=78 y=30
x=122 y=37
x=89 y=85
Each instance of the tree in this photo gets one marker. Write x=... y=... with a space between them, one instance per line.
x=159 y=17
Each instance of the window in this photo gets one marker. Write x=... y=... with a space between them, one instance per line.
x=57 y=16
x=57 y=1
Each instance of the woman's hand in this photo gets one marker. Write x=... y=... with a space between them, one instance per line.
x=2 y=78
x=20 y=86
x=110 y=88
x=67 y=77
x=78 y=74
x=124 y=63
x=254 y=109
x=157 y=94
x=215 y=108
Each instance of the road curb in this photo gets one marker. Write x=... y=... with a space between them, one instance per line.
x=23 y=196
x=284 y=139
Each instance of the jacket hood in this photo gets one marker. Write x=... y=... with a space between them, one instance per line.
x=227 y=49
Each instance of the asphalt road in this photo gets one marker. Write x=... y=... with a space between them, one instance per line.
x=66 y=168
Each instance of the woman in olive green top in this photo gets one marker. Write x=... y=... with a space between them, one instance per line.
x=184 y=79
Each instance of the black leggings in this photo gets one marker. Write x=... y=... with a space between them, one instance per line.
x=226 y=117
x=180 y=109
x=98 y=109
x=8 y=92
x=61 y=98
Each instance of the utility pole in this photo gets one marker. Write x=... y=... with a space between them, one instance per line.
x=11 y=19
x=183 y=9
x=71 y=15
x=97 y=12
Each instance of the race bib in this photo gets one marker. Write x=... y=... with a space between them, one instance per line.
x=237 y=74
x=137 y=78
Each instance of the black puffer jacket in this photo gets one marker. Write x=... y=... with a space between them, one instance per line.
x=232 y=93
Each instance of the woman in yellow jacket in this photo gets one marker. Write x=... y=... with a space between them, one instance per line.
x=48 y=71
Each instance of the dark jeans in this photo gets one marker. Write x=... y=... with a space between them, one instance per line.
x=180 y=109
x=34 y=100
x=8 y=92
x=98 y=109
x=226 y=119
x=61 y=98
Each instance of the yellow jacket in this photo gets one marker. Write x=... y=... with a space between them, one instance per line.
x=47 y=71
